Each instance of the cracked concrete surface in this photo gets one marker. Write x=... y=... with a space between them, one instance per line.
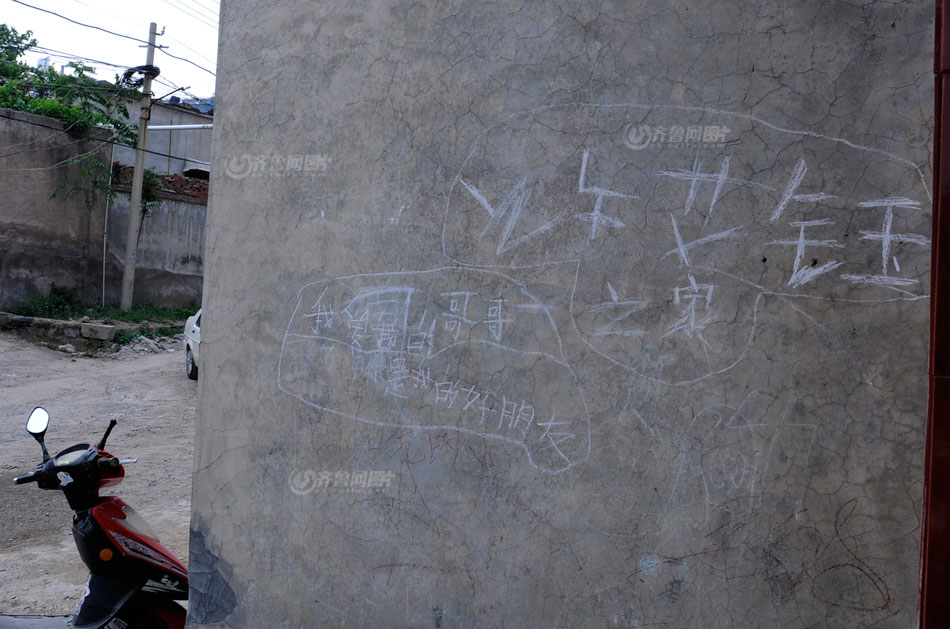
x=565 y=314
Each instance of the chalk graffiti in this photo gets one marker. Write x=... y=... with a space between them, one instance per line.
x=449 y=349
x=691 y=235
x=725 y=454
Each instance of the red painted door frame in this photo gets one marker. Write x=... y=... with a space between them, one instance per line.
x=934 y=601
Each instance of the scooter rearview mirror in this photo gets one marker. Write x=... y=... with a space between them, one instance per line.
x=38 y=422
x=36 y=425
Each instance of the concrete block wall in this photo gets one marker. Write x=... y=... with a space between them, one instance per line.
x=170 y=254
x=47 y=240
x=536 y=314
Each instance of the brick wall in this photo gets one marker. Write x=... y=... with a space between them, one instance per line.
x=175 y=187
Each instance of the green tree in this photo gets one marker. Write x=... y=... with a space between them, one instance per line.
x=75 y=97
x=12 y=47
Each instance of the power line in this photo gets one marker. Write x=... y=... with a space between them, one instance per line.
x=160 y=49
x=89 y=137
x=105 y=30
x=32 y=142
x=36 y=148
x=185 y=91
x=60 y=53
x=212 y=62
x=159 y=79
x=68 y=55
x=173 y=85
x=66 y=162
x=98 y=28
x=213 y=18
x=185 y=10
x=213 y=12
x=53 y=86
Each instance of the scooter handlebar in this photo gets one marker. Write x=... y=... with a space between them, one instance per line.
x=22 y=480
x=109 y=463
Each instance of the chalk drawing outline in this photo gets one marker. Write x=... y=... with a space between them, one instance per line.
x=585 y=420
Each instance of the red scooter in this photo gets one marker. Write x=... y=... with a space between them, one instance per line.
x=134 y=580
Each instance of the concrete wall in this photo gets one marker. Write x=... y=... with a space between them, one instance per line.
x=43 y=240
x=170 y=255
x=193 y=144
x=569 y=314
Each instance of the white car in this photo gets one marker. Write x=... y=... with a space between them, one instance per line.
x=192 y=344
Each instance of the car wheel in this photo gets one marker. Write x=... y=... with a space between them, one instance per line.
x=190 y=367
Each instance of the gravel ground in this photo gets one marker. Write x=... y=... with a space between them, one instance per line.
x=144 y=387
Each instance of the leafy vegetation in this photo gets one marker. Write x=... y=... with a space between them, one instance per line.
x=152 y=185
x=124 y=337
x=95 y=178
x=76 y=97
x=82 y=102
x=61 y=304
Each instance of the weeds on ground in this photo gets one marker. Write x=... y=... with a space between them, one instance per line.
x=61 y=304
x=124 y=337
x=138 y=313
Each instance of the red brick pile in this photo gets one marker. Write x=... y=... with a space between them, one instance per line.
x=174 y=187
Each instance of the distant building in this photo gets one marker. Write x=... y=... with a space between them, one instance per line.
x=184 y=152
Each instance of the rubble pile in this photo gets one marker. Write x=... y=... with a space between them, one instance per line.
x=145 y=345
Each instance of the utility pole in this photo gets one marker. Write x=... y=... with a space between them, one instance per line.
x=135 y=204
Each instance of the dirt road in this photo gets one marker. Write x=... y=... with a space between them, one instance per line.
x=155 y=404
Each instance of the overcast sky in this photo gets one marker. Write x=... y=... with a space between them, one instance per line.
x=190 y=32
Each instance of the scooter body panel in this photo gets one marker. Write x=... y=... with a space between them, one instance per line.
x=130 y=570
x=134 y=539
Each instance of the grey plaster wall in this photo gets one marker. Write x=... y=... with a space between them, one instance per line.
x=551 y=314
x=170 y=254
x=171 y=148
x=47 y=240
